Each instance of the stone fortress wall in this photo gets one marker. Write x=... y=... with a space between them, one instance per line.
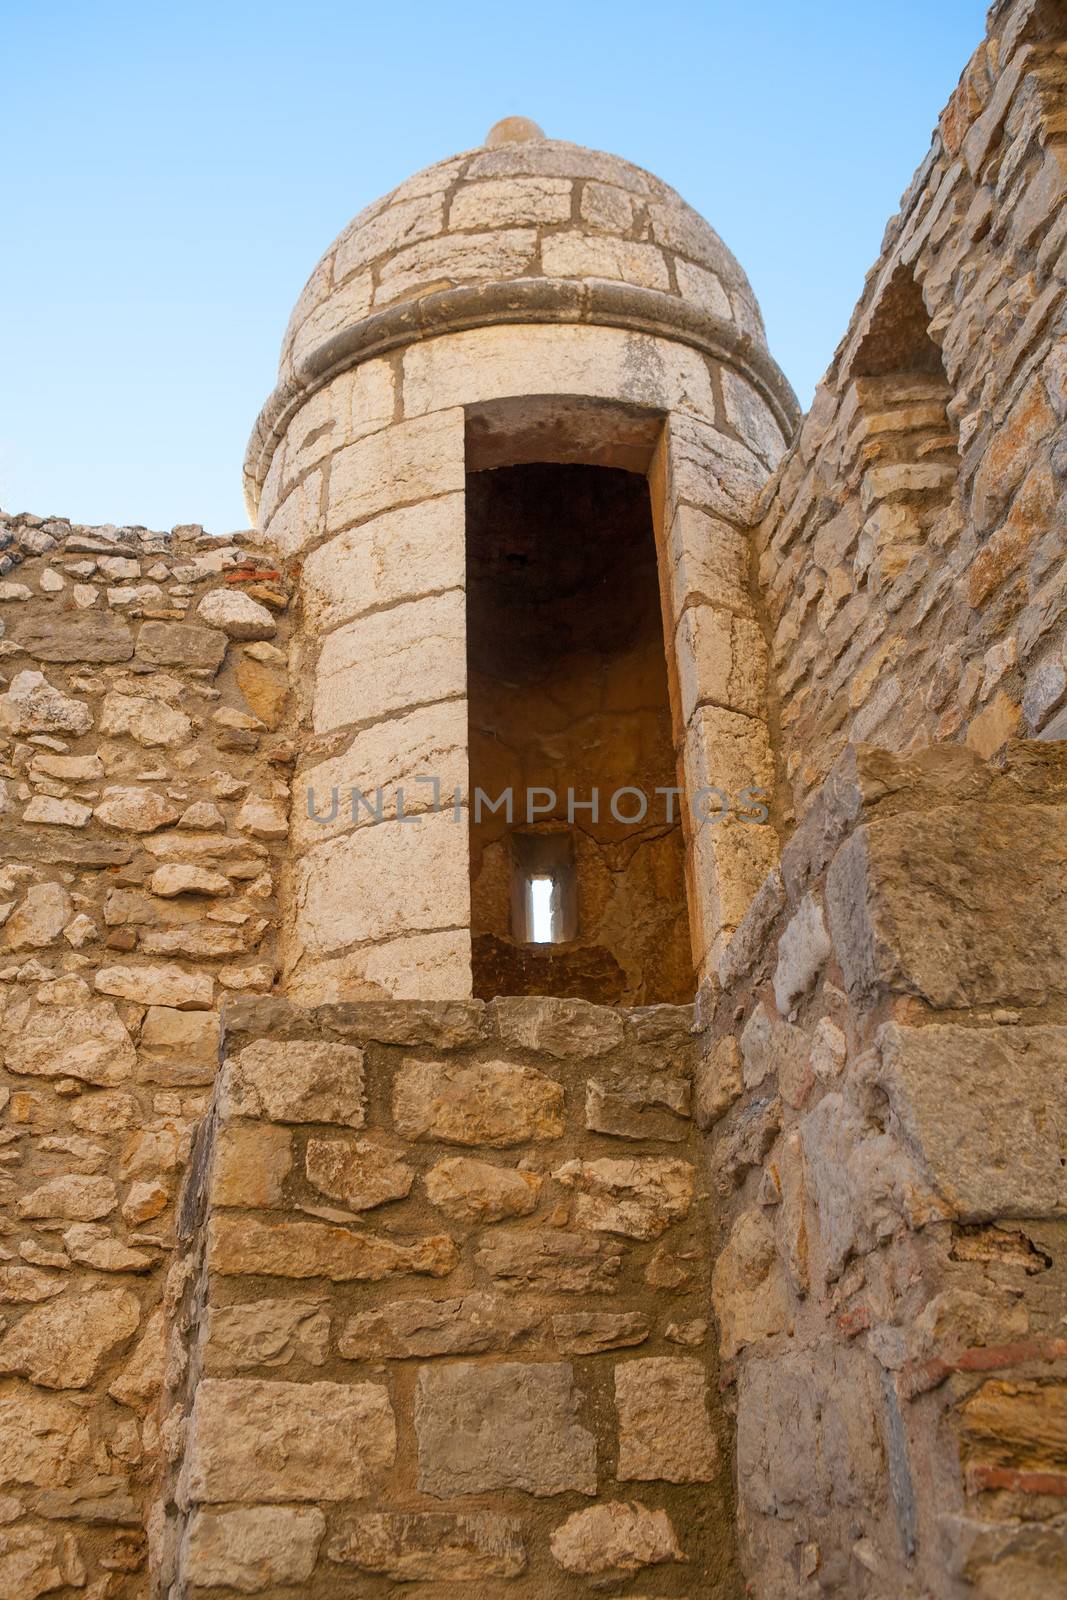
x=249 y=1311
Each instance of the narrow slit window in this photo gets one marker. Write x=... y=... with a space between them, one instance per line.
x=542 y=909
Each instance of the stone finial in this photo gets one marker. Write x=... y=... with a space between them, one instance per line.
x=512 y=130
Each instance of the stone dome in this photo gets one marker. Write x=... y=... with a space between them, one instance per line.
x=528 y=230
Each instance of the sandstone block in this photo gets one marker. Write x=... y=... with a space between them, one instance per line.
x=802 y=951
x=664 y=1427
x=40 y=919
x=265 y=1333
x=158 y=986
x=431 y=1546
x=135 y=810
x=360 y=1172
x=718 y=1083
x=639 y=1105
x=465 y=1325
x=237 y=615
x=71 y=1196
x=57 y=813
x=709 y=562
x=44 y=1438
x=748 y=1287
x=722 y=661
x=181 y=644
x=586 y=1333
x=616 y=1536
x=179 y=878
x=296 y=1081
x=474 y=1191
x=32 y=705
x=94 y=637
x=457 y=258
x=509 y=1425
x=558 y=1028
x=35 y=1561
x=492 y=1103
x=402 y=464
x=251 y=1163
x=319 y=1250
x=147 y=722
x=63 y=1345
x=412 y=654
x=638 y=1198
x=254 y=1548
x=549 y=1260
x=498 y=203
x=983 y=1112
x=268 y=1441
x=580 y=255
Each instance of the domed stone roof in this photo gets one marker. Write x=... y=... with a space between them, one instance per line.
x=523 y=229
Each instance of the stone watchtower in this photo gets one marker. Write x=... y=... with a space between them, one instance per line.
x=524 y=402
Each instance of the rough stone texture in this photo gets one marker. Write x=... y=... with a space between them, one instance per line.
x=497 y=1104
x=251 y=1549
x=474 y=1191
x=664 y=1428
x=616 y=1537
x=509 y=1426
x=437 y=1546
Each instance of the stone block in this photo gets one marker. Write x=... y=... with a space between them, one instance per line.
x=63 y=1345
x=456 y=258
x=510 y=203
x=300 y=1080
x=751 y=418
x=581 y=255
x=253 y=1548
x=247 y=1246
x=709 y=470
x=468 y=1324
x=639 y=1105
x=265 y=1441
x=397 y=225
x=639 y=1198
x=495 y=1103
x=361 y=1173
x=983 y=1114
x=430 y=967
x=748 y=1287
x=411 y=654
x=587 y=1333
x=718 y=1083
x=722 y=661
x=509 y=1425
x=615 y=1537
x=550 y=1260
x=265 y=1333
x=399 y=753
x=802 y=952
x=963 y=911
x=94 y=637
x=664 y=1428
x=475 y=1191
x=487 y=364
x=709 y=562
x=397 y=556
x=410 y=461
x=181 y=644
x=251 y=1163
x=556 y=1027
x=431 y=1546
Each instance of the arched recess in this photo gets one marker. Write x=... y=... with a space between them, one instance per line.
x=906 y=441
x=672 y=705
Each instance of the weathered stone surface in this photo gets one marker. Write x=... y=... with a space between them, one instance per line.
x=416 y=549
x=147 y=722
x=747 y=1141
x=807 y=1434
x=987 y=877
x=44 y=1438
x=19 y=1284
x=40 y=919
x=802 y=950
x=475 y=1191
x=135 y=810
x=360 y=1172
x=638 y=1198
x=417 y=650
x=264 y=1440
x=63 y=1345
x=180 y=878
x=639 y=1105
x=141 y=1379
x=32 y=705
x=509 y=1425
x=616 y=1536
x=237 y=615
x=493 y=1103
x=57 y=813
x=266 y=1333
x=71 y=1196
x=586 y=1333
x=664 y=1427
x=556 y=1027
x=552 y=1260
x=296 y=1081
x=252 y=1161
x=181 y=644
x=93 y=1245
x=717 y=1083
x=35 y=1561
x=434 y=1546
x=748 y=1287
x=158 y=986
x=983 y=1113
x=465 y=1325
x=251 y=1549
x=318 y=1250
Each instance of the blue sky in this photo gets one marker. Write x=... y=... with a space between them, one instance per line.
x=170 y=175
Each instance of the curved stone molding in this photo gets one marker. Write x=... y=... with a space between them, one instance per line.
x=523 y=300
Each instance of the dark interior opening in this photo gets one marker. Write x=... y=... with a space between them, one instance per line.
x=567 y=692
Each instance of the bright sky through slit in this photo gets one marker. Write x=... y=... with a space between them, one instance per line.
x=541 y=920
x=171 y=175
